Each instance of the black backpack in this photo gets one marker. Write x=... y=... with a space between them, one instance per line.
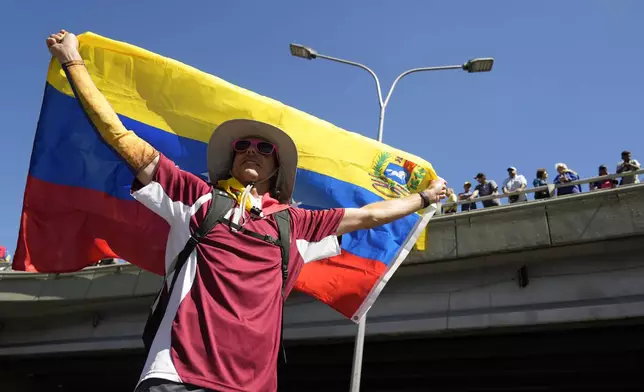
x=220 y=205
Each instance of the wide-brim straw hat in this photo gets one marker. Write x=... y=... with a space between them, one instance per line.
x=221 y=154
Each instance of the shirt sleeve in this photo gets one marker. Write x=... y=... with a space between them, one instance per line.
x=313 y=226
x=311 y=251
x=173 y=194
x=137 y=152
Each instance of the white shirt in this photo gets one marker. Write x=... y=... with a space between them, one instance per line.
x=513 y=184
x=629 y=179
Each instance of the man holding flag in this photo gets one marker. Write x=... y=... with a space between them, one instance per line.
x=232 y=254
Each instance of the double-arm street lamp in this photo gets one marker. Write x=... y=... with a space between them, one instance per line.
x=472 y=66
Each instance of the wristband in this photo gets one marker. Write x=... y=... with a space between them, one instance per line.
x=425 y=198
x=73 y=62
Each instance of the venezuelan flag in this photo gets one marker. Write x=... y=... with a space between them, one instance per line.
x=77 y=207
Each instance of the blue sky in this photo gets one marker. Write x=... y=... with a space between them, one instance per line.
x=565 y=87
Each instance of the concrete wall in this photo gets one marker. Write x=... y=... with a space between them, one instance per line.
x=574 y=219
x=561 y=289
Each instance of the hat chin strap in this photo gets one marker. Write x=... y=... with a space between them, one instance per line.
x=254 y=183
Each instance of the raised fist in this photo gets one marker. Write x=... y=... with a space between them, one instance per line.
x=63 y=46
x=436 y=190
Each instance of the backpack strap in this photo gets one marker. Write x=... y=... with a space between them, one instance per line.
x=250 y=233
x=283 y=219
x=220 y=204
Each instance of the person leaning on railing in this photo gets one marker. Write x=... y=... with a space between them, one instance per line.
x=515 y=183
x=451 y=198
x=628 y=164
x=486 y=188
x=566 y=175
x=605 y=183
x=465 y=195
x=541 y=180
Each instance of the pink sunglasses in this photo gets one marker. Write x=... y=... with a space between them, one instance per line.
x=262 y=146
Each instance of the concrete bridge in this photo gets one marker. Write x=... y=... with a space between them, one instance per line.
x=541 y=263
x=544 y=295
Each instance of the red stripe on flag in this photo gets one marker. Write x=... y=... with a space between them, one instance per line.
x=343 y=281
x=60 y=226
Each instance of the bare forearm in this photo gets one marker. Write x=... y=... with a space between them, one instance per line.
x=384 y=212
x=138 y=153
x=379 y=213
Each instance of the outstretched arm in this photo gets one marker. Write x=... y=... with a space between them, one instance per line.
x=383 y=212
x=139 y=154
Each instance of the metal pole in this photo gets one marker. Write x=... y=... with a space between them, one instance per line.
x=423 y=69
x=381 y=124
x=356 y=371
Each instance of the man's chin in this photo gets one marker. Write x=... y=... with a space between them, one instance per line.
x=249 y=175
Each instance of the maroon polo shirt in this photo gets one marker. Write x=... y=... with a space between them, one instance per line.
x=222 y=325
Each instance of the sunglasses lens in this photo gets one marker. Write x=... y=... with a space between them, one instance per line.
x=265 y=147
x=242 y=145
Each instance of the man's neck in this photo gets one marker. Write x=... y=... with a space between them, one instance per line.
x=257 y=191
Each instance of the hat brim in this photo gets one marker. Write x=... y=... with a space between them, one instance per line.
x=220 y=152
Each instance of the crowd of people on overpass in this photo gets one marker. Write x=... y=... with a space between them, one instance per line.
x=515 y=185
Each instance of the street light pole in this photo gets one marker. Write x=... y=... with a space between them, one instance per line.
x=474 y=65
x=393 y=85
x=383 y=102
x=375 y=78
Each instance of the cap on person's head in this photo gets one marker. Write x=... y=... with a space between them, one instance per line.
x=480 y=175
x=467 y=183
x=603 y=167
x=626 y=152
x=512 y=168
x=220 y=152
